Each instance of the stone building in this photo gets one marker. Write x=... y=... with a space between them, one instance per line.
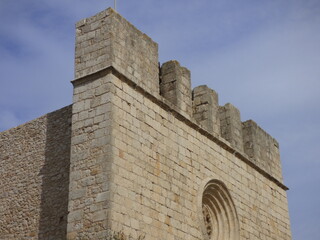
x=139 y=152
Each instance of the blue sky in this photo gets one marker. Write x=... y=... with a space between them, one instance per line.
x=262 y=56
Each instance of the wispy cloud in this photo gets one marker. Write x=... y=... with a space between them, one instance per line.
x=8 y=119
x=262 y=56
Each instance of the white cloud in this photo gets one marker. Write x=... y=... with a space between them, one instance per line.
x=263 y=56
x=276 y=67
x=8 y=119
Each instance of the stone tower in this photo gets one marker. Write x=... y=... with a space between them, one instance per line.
x=140 y=152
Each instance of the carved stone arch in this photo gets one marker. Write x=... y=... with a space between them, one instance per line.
x=217 y=213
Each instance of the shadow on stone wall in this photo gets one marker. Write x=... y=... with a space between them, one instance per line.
x=55 y=176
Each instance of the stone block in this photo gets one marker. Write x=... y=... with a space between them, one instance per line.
x=113 y=41
x=231 y=125
x=206 y=108
x=175 y=86
x=262 y=149
x=137 y=163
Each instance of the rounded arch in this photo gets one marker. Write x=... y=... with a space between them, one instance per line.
x=217 y=213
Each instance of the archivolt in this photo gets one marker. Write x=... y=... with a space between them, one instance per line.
x=218 y=216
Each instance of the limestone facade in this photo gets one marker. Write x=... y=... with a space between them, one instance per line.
x=141 y=153
x=34 y=185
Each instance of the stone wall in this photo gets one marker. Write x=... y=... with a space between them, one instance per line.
x=145 y=154
x=155 y=151
x=107 y=39
x=160 y=160
x=262 y=149
x=34 y=169
x=175 y=86
x=205 y=109
x=91 y=154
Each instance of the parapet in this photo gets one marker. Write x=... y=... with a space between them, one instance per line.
x=231 y=127
x=107 y=40
x=175 y=86
x=206 y=108
x=261 y=148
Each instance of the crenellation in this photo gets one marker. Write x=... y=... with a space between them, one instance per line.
x=261 y=148
x=206 y=108
x=140 y=154
x=231 y=126
x=111 y=41
x=175 y=86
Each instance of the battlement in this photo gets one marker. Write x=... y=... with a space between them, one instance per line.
x=139 y=153
x=109 y=41
x=106 y=40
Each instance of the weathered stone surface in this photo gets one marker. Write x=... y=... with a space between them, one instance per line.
x=206 y=108
x=231 y=126
x=91 y=155
x=175 y=86
x=34 y=170
x=172 y=161
x=262 y=149
x=107 y=39
x=135 y=162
